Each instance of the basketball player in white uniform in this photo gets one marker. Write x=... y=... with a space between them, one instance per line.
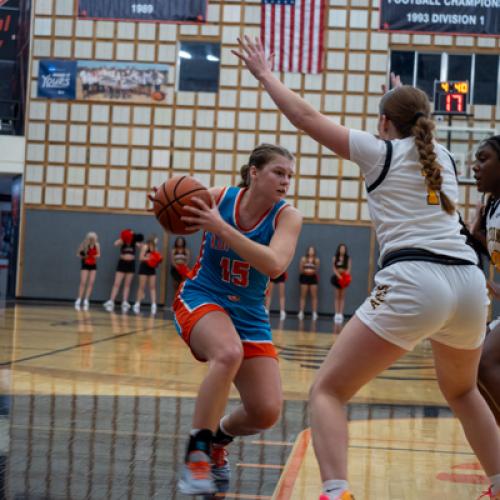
x=429 y=285
x=487 y=230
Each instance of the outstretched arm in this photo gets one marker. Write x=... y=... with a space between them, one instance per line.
x=300 y=113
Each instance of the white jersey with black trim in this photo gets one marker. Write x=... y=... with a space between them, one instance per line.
x=493 y=233
x=404 y=214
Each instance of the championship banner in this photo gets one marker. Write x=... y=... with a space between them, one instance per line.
x=180 y=11
x=56 y=79
x=471 y=17
x=114 y=81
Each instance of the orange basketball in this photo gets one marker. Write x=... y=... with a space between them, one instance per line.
x=172 y=196
x=158 y=95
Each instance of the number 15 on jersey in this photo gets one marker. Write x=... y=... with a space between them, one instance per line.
x=235 y=272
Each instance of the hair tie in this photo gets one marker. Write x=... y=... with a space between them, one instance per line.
x=416 y=116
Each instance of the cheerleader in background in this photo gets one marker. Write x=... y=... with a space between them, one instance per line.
x=341 y=279
x=149 y=260
x=180 y=257
x=88 y=252
x=126 y=268
x=309 y=269
x=280 y=281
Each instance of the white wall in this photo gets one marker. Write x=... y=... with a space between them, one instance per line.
x=12 y=152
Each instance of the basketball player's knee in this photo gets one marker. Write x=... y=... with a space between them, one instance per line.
x=315 y=391
x=265 y=414
x=324 y=388
x=230 y=356
x=457 y=396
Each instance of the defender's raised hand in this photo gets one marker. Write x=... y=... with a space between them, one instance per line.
x=395 y=82
x=253 y=55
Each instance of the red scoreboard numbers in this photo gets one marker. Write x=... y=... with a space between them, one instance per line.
x=450 y=98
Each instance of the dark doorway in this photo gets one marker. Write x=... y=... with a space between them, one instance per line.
x=10 y=198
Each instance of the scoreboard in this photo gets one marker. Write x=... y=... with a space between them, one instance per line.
x=450 y=98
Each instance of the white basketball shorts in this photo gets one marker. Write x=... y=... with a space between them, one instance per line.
x=415 y=300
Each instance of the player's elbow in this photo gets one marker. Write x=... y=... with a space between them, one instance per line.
x=276 y=269
x=275 y=274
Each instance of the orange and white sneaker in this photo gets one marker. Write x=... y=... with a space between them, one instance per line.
x=345 y=495
x=221 y=470
x=489 y=494
x=196 y=476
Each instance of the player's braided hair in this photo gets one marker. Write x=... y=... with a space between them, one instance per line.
x=408 y=109
x=259 y=157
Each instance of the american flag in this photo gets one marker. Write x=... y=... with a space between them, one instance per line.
x=294 y=31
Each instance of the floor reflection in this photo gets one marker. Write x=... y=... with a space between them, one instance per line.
x=98 y=406
x=106 y=447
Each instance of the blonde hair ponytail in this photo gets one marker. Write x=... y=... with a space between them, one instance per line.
x=423 y=131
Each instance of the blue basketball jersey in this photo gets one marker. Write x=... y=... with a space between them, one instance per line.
x=221 y=271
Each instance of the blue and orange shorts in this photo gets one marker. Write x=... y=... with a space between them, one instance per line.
x=250 y=320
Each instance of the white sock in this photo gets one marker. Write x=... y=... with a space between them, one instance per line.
x=495 y=483
x=335 y=487
x=193 y=432
x=222 y=428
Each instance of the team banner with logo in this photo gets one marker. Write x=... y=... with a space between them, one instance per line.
x=113 y=81
x=56 y=79
x=474 y=17
x=181 y=11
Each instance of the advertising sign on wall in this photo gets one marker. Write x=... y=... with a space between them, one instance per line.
x=57 y=79
x=132 y=82
x=181 y=11
x=474 y=17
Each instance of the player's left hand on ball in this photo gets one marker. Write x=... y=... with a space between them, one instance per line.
x=151 y=197
x=201 y=216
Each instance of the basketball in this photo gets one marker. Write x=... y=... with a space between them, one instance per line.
x=158 y=95
x=172 y=196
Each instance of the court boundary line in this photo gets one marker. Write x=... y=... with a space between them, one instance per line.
x=75 y=346
x=286 y=483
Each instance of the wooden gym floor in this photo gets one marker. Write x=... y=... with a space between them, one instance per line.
x=96 y=405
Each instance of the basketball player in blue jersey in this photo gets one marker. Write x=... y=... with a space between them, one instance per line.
x=429 y=285
x=487 y=230
x=250 y=234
